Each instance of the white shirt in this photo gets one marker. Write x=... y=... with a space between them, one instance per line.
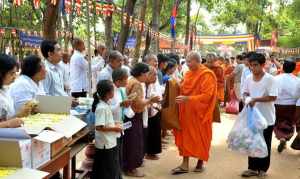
x=104 y=118
x=66 y=73
x=7 y=109
x=288 y=89
x=24 y=89
x=265 y=87
x=119 y=96
x=54 y=81
x=78 y=73
x=105 y=74
x=98 y=64
x=246 y=72
x=154 y=89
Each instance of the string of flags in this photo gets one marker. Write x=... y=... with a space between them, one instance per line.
x=100 y=8
x=14 y=32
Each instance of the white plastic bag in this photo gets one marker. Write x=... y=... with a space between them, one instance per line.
x=246 y=140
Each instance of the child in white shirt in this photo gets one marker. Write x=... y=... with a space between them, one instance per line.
x=106 y=161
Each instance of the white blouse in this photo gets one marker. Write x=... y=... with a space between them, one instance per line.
x=7 y=110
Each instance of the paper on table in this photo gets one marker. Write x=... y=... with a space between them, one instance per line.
x=26 y=173
x=69 y=126
x=49 y=136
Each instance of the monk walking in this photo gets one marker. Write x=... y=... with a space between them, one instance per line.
x=198 y=95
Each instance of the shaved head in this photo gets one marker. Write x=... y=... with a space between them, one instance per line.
x=194 y=56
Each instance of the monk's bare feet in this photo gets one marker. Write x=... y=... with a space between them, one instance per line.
x=199 y=167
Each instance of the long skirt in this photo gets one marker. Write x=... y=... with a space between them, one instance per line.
x=133 y=143
x=285 y=121
x=154 y=135
x=106 y=164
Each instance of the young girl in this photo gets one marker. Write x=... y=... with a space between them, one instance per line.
x=169 y=71
x=106 y=162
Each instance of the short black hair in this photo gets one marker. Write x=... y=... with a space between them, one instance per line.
x=171 y=64
x=139 y=68
x=103 y=88
x=257 y=57
x=119 y=74
x=289 y=65
x=7 y=63
x=31 y=65
x=47 y=46
x=239 y=57
x=248 y=55
x=174 y=57
x=162 y=58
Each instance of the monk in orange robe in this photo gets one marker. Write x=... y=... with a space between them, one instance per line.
x=198 y=95
x=229 y=81
x=212 y=64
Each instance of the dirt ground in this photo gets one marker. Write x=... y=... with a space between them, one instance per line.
x=223 y=164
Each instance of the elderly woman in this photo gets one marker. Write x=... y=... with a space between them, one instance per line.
x=153 y=134
x=8 y=69
x=198 y=94
x=133 y=149
x=27 y=86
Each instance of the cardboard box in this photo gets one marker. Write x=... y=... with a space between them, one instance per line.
x=56 y=141
x=15 y=148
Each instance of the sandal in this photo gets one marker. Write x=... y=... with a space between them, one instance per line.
x=249 y=173
x=179 y=170
x=199 y=169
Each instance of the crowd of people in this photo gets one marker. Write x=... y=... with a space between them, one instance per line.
x=132 y=95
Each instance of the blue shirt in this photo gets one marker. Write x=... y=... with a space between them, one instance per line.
x=54 y=81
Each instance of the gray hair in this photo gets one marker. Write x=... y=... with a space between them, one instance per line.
x=115 y=55
x=194 y=55
x=149 y=57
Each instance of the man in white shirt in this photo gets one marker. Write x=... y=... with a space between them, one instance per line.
x=78 y=70
x=289 y=92
x=261 y=90
x=98 y=63
x=26 y=87
x=237 y=74
x=115 y=59
x=54 y=81
x=65 y=66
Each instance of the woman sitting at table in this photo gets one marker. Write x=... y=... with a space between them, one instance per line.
x=27 y=86
x=8 y=69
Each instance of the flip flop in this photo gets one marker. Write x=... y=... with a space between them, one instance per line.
x=178 y=171
x=199 y=170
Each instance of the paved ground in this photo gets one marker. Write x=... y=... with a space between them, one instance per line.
x=223 y=163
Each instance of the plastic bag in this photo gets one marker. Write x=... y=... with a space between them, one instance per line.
x=232 y=107
x=244 y=139
x=256 y=121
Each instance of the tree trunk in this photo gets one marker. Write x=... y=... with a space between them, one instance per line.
x=139 y=33
x=155 y=25
x=108 y=30
x=147 y=43
x=50 y=19
x=125 y=28
x=187 y=26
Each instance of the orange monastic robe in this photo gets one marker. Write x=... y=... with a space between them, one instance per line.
x=196 y=115
x=218 y=70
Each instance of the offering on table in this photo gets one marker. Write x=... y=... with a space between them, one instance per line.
x=4 y=172
x=33 y=124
